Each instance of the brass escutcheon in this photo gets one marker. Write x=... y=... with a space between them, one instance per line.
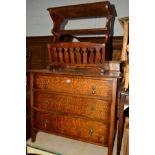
x=46 y=123
x=90 y=132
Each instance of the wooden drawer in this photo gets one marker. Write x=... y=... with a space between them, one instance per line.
x=74 y=85
x=73 y=127
x=41 y=120
x=88 y=107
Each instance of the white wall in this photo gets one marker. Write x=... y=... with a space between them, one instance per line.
x=39 y=23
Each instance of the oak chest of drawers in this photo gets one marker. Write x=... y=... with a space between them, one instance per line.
x=78 y=104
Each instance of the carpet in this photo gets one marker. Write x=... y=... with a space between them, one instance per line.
x=64 y=146
x=35 y=150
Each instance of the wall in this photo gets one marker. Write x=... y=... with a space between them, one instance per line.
x=39 y=23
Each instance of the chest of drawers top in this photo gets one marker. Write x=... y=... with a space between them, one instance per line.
x=73 y=73
x=81 y=72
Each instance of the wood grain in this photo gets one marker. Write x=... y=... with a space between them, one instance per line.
x=73 y=85
x=91 y=108
x=77 y=127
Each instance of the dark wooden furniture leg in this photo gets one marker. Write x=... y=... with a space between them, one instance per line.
x=120 y=122
x=124 y=100
x=33 y=132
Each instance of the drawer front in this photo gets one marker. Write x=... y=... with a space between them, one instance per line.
x=74 y=85
x=41 y=120
x=92 y=108
x=73 y=127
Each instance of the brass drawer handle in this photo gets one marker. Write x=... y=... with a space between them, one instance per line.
x=46 y=84
x=93 y=89
x=90 y=132
x=46 y=121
